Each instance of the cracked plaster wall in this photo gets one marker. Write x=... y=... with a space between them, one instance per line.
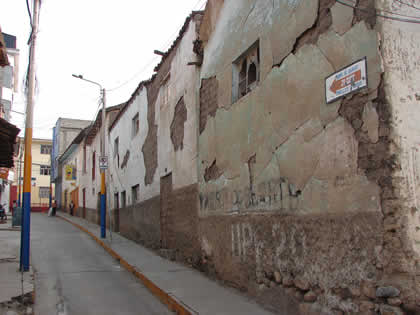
x=297 y=138
x=313 y=161
x=123 y=178
x=182 y=83
x=400 y=43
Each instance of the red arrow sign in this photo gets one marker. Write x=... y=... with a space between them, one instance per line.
x=348 y=80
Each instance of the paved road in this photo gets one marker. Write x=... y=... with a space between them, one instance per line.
x=73 y=275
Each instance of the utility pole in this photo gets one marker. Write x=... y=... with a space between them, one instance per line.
x=102 y=157
x=19 y=201
x=103 y=188
x=27 y=173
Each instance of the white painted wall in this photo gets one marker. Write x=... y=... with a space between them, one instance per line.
x=183 y=81
x=133 y=174
x=401 y=58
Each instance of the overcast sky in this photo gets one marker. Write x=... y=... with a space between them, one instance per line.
x=107 y=41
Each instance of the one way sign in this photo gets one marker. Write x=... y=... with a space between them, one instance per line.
x=345 y=81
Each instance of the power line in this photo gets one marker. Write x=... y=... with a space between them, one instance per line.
x=386 y=11
x=134 y=76
x=379 y=15
x=408 y=4
x=143 y=69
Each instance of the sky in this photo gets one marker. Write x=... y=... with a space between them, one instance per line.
x=110 y=42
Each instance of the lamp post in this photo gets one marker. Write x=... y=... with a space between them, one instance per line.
x=103 y=189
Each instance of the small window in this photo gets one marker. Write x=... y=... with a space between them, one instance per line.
x=135 y=193
x=116 y=202
x=84 y=159
x=116 y=150
x=135 y=125
x=46 y=149
x=44 y=192
x=123 y=200
x=45 y=170
x=246 y=72
x=93 y=165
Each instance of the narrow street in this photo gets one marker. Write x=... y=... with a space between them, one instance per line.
x=73 y=275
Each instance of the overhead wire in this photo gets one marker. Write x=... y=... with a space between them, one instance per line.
x=408 y=4
x=152 y=60
x=385 y=11
x=378 y=14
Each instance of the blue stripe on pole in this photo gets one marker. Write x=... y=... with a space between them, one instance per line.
x=103 y=216
x=26 y=229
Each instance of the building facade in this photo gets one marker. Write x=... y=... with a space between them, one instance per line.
x=9 y=77
x=64 y=132
x=9 y=69
x=153 y=153
x=233 y=158
x=41 y=174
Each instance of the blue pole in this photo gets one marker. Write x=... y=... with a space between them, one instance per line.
x=21 y=237
x=26 y=226
x=103 y=216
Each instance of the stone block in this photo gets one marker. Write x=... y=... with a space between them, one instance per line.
x=386 y=292
x=390 y=310
x=310 y=297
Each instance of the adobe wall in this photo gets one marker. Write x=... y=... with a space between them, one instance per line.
x=141 y=222
x=294 y=192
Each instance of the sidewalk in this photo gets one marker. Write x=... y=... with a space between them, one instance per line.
x=12 y=282
x=190 y=288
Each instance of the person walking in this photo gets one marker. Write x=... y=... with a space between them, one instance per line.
x=54 y=208
x=71 y=208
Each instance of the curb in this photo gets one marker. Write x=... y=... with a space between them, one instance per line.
x=172 y=304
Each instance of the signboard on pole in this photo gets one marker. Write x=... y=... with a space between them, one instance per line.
x=103 y=162
x=350 y=79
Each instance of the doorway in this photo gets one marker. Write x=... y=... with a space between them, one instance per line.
x=116 y=213
x=84 y=202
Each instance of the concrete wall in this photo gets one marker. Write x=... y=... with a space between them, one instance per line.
x=290 y=187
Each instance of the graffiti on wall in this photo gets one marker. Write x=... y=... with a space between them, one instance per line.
x=271 y=195
x=274 y=253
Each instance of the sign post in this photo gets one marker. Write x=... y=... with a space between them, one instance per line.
x=103 y=162
x=348 y=80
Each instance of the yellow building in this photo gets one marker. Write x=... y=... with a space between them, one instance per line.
x=41 y=171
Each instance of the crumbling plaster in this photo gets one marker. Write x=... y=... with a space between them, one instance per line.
x=122 y=179
x=400 y=45
x=182 y=83
x=309 y=144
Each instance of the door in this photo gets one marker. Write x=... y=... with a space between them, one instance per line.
x=75 y=199
x=116 y=213
x=166 y=211
x=84 y=202
x=65 y=201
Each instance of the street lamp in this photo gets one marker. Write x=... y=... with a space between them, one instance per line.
x=103 y=200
